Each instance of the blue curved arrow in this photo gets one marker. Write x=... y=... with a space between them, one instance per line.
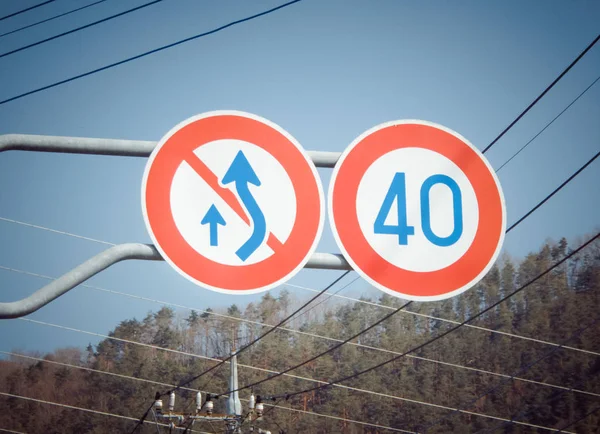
x=242 y=174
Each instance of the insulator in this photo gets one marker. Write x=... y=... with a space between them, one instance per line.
x=251 y=402
x=259 y=409
x=172 y=401
x=198 y=401
x=158 y=405
x=209 y=407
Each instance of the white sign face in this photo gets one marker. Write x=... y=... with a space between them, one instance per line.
x=232 y=202
x=275 y=198
x=417 y=210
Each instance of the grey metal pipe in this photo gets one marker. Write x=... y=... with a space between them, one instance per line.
x=122 y=148
x=122 y=252
x=75 y=145
x=78 y=275
x=111 y=256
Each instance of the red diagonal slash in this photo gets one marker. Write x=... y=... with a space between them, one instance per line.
x=227 y=195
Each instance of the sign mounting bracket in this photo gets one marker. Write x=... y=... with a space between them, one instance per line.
x=122 y=252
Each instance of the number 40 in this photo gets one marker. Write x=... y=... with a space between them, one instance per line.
x=397 y=191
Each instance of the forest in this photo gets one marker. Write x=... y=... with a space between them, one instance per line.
x=529 y=365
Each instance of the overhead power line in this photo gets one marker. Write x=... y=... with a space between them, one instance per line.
x=548 y=124
x=11 y=431
x=575 y=422
x=262 y=336
x=318 y=356
x=86 y=410
x=440 y=336
x=147 y=53
x=328 y=338
x=330 y=295
x=244 y=348
x=402 y=355
x=14 y=14
x=450 y=321
x=548 y=402
x=556 y=190
x=520 y=371
x=399 y=309
x=325 y=290
x=298 y=377
x=51 y=18
x=60 y=35
x=540 y=96
x=158 y=383
x=317 y=336
x=55 y=231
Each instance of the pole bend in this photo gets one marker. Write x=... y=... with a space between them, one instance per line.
x=111 y=256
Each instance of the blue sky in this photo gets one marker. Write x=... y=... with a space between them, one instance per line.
x=326 y=71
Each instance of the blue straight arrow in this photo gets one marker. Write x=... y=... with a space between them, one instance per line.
x=242 y=174
x=213 y=219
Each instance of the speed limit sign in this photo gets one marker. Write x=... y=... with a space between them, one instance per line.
x=417 y=210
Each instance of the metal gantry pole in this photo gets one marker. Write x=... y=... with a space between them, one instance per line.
x=122 y=252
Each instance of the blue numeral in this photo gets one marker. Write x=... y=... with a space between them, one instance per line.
x=397 y=190
x=426 y=210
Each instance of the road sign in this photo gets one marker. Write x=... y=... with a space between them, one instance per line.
x=417 y=210
x=232 y=202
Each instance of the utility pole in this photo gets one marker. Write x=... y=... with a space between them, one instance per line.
x=204 y=411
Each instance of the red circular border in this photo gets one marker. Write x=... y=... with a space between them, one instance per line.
x=180 y=145
x=344 y=214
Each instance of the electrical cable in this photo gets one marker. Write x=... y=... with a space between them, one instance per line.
x=549 y=402
x=55 y=231
x=468 y=320
x=585 y=416
x=96 y=371
x=329 y=350
x=535 y=101
x=376 y=304
x=147 y=53
x=508 y=230
x=189 y=426
x=245 y=347
x=268 y=332
x=440 y=336
x=156 y=422
x=144 y=380
x=317 y=336
x=548 y=124
x=328 y=338
x=51 y=18
x=341 y=419
x=446 y=320
x=14 y=14
x=298 y=377
x=314 y=335
x=556 y=190
x=69 y=32
x=11 y=431
x=330 y=295
x=320 y=293
x=521 y=371
x=205 y=385
x=71 y=407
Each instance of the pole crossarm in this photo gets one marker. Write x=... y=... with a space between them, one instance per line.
x=116 y=147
